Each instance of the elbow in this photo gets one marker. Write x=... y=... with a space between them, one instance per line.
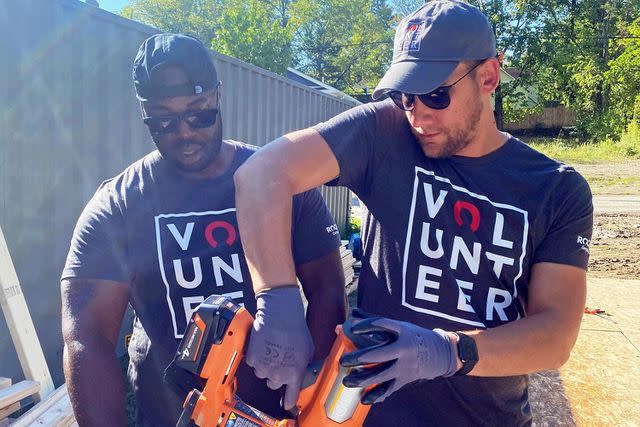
x=560 y=356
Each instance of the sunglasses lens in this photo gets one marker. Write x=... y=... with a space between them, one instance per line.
x=161 y=125
x=167 y=124
x=403 y=101
x=438 y=99
x=202 y=119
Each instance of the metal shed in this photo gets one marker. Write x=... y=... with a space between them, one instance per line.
x=69 y=119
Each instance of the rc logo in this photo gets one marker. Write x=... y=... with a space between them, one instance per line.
x=463 y=254
x=199 y=254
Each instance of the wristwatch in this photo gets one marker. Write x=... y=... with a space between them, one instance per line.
x=467 y=353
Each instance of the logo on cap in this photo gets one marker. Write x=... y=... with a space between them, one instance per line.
x=197 y=89
x=411 y=39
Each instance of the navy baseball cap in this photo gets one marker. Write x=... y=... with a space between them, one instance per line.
x=161 y=50
x=430 y=43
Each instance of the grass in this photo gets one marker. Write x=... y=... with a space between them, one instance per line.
x=609 y=166
x=576 y=151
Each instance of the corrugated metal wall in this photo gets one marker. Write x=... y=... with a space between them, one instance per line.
x=69 y=119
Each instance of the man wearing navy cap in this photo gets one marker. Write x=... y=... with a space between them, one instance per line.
x=163 y=235
x=475 y=247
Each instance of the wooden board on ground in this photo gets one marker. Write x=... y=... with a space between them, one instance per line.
x=5 y=412
x=598 y=385
x=20 y=324
x=8 y=410
x=55 y=410
x=17 y=392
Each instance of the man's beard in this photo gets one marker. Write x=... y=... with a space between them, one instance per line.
x=210 y=151
x=457 y=139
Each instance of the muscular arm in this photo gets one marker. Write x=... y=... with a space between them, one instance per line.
x=265 y=183
x=92 y=312
x=544 y=339
x=323 y=284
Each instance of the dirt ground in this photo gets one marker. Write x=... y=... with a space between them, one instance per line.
x=615 y=246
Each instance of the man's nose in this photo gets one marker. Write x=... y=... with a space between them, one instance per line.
x=183 y=130
x=421 y=115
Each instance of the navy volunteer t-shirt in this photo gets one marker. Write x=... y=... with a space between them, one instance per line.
x=449 y=243
x=175 y=241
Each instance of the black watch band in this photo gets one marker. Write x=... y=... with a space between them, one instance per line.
x=467 y=353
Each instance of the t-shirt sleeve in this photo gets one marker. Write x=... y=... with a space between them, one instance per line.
x=98 y=248
x=315 y=233
x=571 y=223
x=350 y=135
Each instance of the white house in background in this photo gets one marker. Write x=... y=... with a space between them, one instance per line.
x=528 y=98
x=300 y=77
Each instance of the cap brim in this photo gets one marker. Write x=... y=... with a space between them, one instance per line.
x=414 y=77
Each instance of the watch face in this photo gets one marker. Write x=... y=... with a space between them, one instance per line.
x=467 y=352
x=467 y=349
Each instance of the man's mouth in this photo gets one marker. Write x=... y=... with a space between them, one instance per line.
x=189 y=148
x=424 y=134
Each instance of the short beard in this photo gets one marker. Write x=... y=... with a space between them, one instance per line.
x=458 y=139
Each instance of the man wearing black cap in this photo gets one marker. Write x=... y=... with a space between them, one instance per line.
x=162 y=236
x=475 y=247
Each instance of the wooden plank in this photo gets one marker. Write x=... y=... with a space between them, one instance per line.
x=5 y=382
x=5 y=412
x=21 y=327
x=43 y=406
x=17 y=392
x=55 y=410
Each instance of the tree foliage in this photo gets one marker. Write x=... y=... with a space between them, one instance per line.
x=345 y=43
x=193 y=17
x=249 y=30
x=584 y=54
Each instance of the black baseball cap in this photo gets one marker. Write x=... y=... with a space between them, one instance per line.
x=162 y=50
x=431 y=42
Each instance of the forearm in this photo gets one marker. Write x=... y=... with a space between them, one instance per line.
x=95 y=384
x=324 y=312
x=544 y=338
x=531 y=344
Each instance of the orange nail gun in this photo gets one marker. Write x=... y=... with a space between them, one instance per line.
x=211 y=351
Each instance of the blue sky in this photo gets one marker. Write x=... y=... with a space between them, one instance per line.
x=113 y=5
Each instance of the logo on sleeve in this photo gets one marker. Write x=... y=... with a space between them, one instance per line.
x=333 y=230
x=584 y=243
x=199 y=254
x=463 y=254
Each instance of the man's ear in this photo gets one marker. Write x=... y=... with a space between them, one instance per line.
x=488 y=75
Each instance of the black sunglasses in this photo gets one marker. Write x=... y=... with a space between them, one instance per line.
x=161 y=125
x=438 y=99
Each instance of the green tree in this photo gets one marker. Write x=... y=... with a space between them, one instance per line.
x=623 y=76
x=344 y=43
x=193 y=17
x=248 y=30
x=404 y=7
x=578 y=43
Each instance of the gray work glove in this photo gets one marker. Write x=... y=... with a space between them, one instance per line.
x=412 y=354
x=280 y=346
